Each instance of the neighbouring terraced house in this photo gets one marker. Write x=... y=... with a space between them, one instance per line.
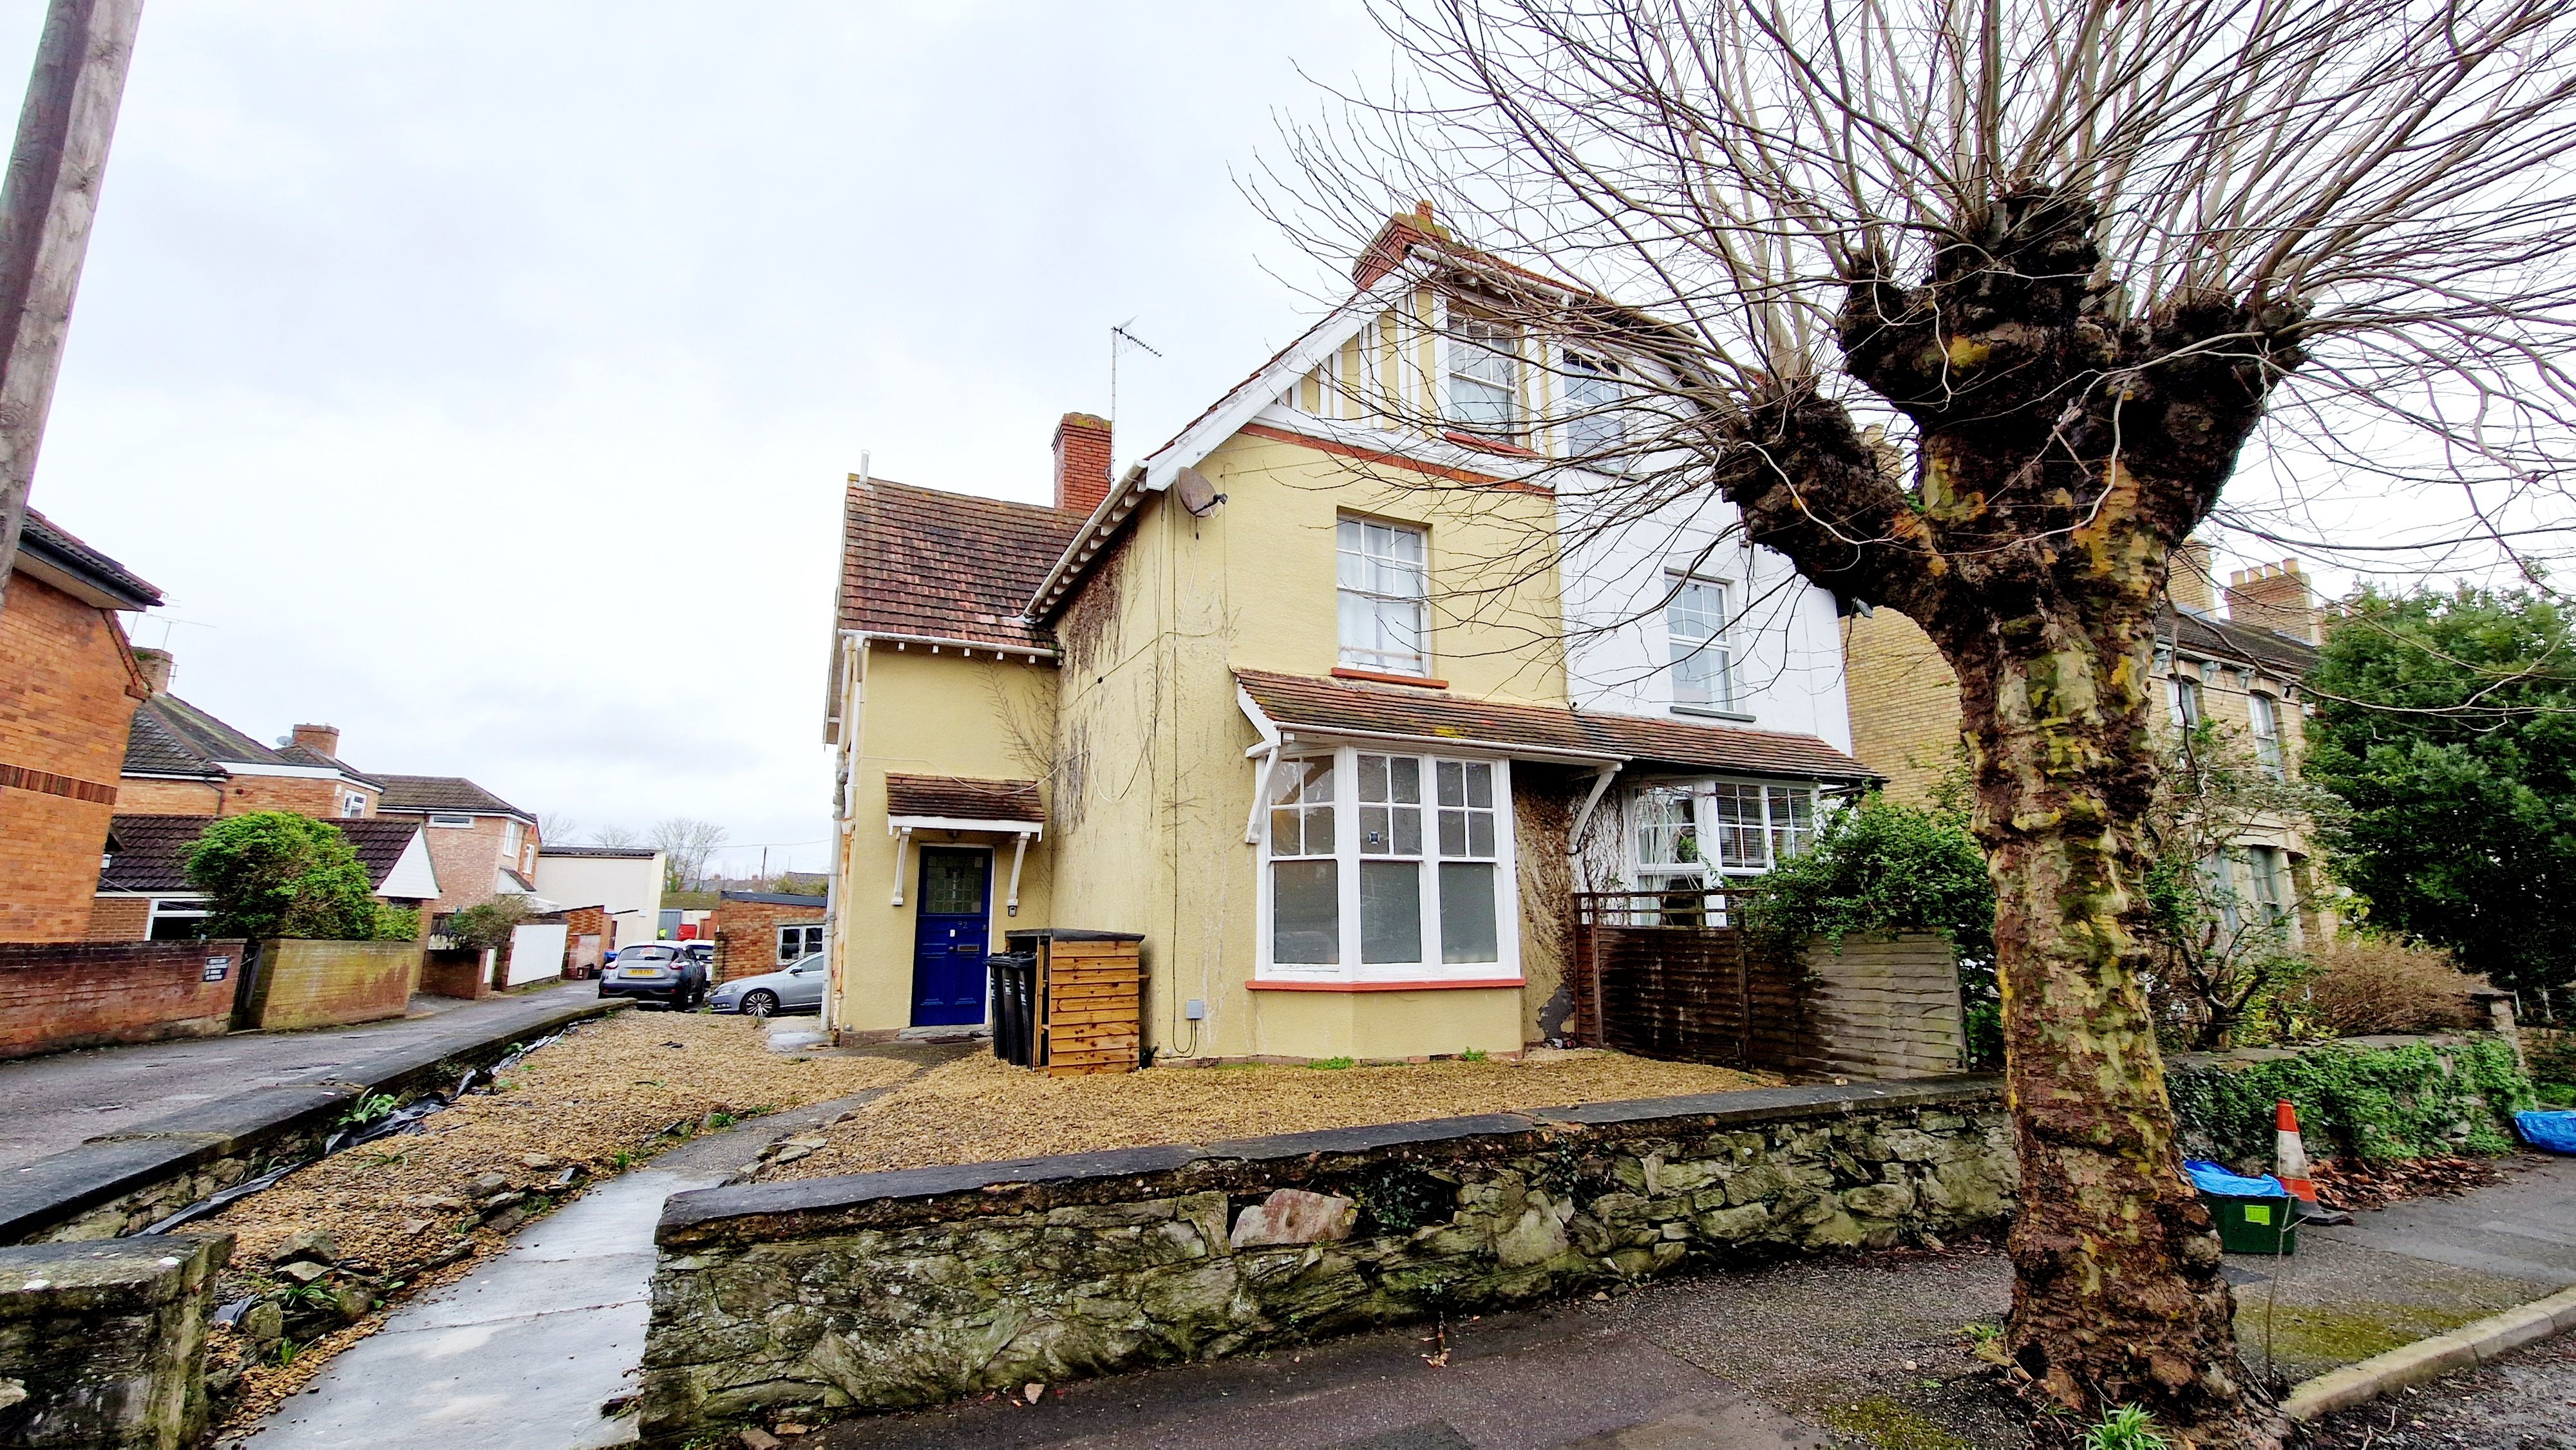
x=1291 y=697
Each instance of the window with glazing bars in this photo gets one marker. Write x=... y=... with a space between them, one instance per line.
x=1384 y=578
x=1703 y=674
x=1484 y=376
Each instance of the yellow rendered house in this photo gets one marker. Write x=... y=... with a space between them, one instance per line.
x=1289 y=699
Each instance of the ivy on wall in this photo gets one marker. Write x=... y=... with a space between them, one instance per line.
x=2374 y=1103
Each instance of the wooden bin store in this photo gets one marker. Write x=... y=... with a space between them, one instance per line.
x=1090 y=999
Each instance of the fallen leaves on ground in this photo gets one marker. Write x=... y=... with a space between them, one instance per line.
x=980 y=1109
x=603 y=1099
x=2349 y=1183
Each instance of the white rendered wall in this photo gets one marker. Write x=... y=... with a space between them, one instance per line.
x=620 y=884
x=1788 y=666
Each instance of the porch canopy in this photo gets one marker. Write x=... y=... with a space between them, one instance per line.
x=963 y=803
x=1285 y=707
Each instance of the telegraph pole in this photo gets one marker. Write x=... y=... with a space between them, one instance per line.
x=46 y=206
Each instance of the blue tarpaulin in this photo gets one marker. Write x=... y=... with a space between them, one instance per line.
x=2210 y=1177
x=2551 y=1132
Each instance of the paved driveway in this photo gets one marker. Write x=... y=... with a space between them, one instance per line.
x=51 y=1103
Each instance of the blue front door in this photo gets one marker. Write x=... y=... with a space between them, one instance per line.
x=952 y=936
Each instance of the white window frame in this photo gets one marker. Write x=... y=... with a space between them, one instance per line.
x=1717 y=645
x=174 y=908
x=353 y=806
x=1484 y=354
x=1361 y=571
x=1778 y=832
x=2183 y=702
x=2263 y=714
x=451 y=820
x=1589 y=404
x=1348 y=854
x=800 y=933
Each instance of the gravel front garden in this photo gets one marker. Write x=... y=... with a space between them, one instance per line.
x=979 y=1109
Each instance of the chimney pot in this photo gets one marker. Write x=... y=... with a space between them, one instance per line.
x=1081 y=462
x=155 y=664
x=320 y=739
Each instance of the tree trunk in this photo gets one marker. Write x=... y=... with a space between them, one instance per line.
x=2117 y=1297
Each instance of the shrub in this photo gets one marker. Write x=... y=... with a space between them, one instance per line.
x=275 y=874
x=487 y=926
x=397 y=923
x=2363 y=984
x=2373 y=1103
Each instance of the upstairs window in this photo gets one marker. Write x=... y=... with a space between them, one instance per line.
x=352 y=806
x=1384 y=581
x=1593 y=428
x=1484 y=376
x=2265 y=714
x=1703 y=670
x=452 y=822
x=2182 y=701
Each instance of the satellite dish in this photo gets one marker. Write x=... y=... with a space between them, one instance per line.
x=1197 y=494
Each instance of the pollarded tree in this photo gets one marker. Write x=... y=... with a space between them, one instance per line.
x=1971 y=310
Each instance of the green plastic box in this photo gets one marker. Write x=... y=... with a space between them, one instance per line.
x=2267 y=1226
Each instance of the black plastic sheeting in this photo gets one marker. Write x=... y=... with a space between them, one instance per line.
x=407 y=1119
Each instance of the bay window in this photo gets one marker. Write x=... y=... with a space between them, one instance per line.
x=1383 y=578
x=1752 y=828
x=1387 y=866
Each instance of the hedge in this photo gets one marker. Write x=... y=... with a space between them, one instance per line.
x=2373 y=1103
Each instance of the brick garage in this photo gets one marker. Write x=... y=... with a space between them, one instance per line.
x=747 y=927
x=68 y=688
x=62 y=995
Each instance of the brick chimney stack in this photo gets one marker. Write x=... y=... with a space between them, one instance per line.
x=320 y=739
x=156 y=669
x=2188 y=580
x=1081 y=463
x=2274 y=597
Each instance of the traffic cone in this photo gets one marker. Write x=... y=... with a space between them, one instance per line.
x=2290 y=1154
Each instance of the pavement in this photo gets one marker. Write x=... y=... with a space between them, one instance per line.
x=51 y=1103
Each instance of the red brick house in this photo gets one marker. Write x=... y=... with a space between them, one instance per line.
x=143 y=890
x=762 y=931
x=482 y=845
x=69 y=684
x=182 y=761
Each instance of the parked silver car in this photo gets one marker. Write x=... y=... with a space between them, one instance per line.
x=794 y=988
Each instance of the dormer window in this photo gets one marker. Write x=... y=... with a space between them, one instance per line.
x=1484 y=376
x=1592 y=394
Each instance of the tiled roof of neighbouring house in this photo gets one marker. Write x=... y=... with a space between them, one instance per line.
x=150 y=853
x=42 y=541
x=307 y=755
x=172 y=737
x=916 y=561
x=958 y=798
x=774 y=898
x=420 y=794
x=2199 y=633
x=1297 y=701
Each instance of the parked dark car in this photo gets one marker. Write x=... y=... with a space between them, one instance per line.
x=664 y=972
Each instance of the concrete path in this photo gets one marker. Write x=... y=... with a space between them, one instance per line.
x=48 y=1104
x=521 y=1353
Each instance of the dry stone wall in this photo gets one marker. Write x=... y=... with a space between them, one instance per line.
x=885 y=1290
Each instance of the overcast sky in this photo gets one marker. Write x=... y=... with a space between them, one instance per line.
x=482 y=379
